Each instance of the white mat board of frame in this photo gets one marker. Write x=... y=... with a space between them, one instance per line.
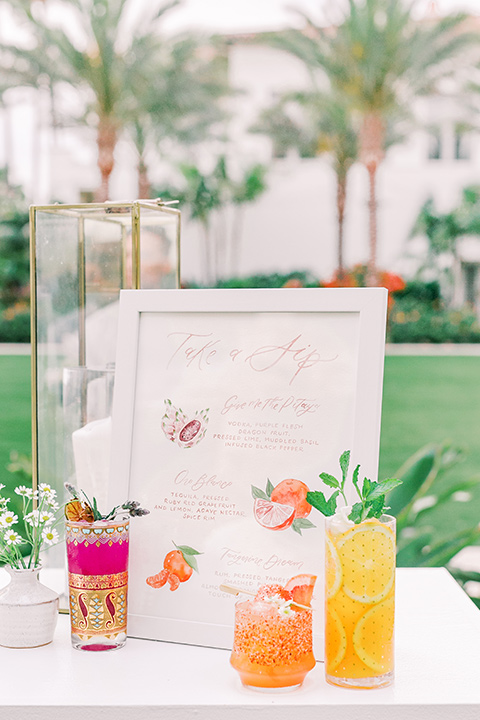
x=220 y=397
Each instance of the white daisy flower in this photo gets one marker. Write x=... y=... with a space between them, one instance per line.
x=46 y=491
x=44 y=516
x=13 y=538
x=22 y=490
x=32 y=518
x=29 y=493
x=8 y=519
x=2 y=486
x=50 y=536
x=52 y=504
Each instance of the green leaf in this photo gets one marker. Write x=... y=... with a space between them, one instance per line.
x=415 y=473
x=303 y=523
x=187 y=550
x=296 y=527
x=358 y=514
x=319 y=502
x=383 y=487
x=344 y=463
x=355 y=477
x=367 y=487
x=270 y=488
x=441 y=553
x=329 y=480
x=192 y=561
x=257 y=493
x=376 y=507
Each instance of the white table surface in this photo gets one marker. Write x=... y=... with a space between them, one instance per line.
x=437 y=673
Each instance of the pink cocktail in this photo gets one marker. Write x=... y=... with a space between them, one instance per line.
x=97 y=555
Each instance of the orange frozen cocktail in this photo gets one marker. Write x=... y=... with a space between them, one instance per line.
x=273 y=639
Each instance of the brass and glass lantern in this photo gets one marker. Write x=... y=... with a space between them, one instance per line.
x=81 y=257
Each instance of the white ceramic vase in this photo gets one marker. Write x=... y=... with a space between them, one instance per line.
x=28 y=610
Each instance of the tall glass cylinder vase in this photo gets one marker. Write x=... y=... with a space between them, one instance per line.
x=87 y=409
x=360 y=602
x=97 y=556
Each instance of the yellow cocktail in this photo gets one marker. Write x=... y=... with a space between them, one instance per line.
x=360 y=602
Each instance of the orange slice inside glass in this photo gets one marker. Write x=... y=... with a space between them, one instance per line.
x=335 y=639
x=367 y=556
x=373 y=636
x=333 y=569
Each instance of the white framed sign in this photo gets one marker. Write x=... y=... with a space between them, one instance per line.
x=228 y=404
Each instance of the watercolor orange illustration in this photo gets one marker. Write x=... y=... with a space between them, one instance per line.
x=178 y=567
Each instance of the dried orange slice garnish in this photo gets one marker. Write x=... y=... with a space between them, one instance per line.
x=77 y=511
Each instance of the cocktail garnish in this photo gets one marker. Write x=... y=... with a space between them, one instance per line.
x=232 y=590
x=85 y=510
x=372 y=494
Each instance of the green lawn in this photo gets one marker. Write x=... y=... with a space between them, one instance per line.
x=15 y=423
x=429 y=399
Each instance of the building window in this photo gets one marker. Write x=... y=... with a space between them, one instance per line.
x=435 y=145
x=462 y=145
x=470 y=271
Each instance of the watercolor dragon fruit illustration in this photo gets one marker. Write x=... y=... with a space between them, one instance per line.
x=181 y=429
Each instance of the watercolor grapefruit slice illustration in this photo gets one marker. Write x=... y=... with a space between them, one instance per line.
x=273 y=516
x=178 y=567
x=291 y=494
x=181 y=429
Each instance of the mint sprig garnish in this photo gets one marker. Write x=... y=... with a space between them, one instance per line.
x=372 y=495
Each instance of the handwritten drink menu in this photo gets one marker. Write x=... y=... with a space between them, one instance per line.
x=235 y=415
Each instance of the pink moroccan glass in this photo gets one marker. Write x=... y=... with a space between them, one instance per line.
x=97 y=556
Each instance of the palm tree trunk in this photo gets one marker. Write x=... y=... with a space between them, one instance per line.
x=341 y=198
x=372 y=226
x=106 y=142
x=372 y=152
x=236 y=240
x=209 y=270
x=144 y=185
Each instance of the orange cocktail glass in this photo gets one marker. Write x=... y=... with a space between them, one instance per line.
x=360 y=603
x=272 y=647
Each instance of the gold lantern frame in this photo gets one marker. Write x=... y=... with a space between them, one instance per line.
x=129 y=216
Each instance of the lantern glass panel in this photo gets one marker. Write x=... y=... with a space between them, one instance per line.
x=81 y=257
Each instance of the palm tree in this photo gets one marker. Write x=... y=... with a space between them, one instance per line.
x=444 y=230
x=118 y=63
x=379 y=60
x=208 y=198
x=324 y=127
x=181 y=100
